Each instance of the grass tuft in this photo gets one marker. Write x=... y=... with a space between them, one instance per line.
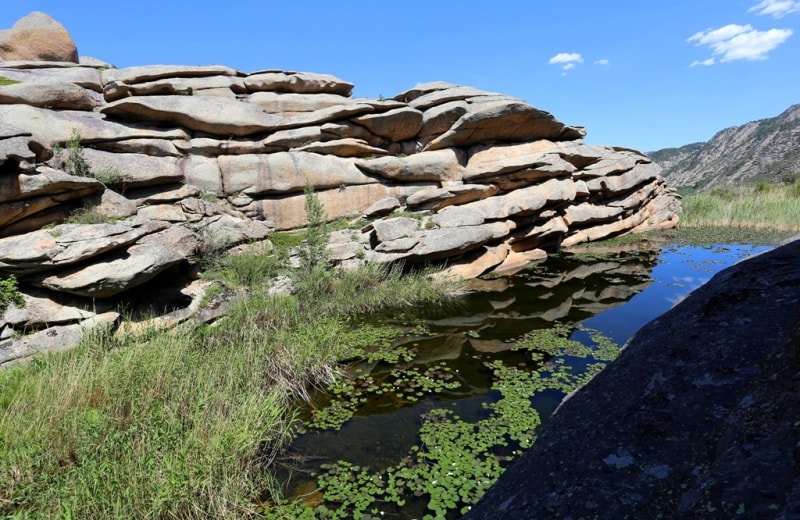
x=764 y=206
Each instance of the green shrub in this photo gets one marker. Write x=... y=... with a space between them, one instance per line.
x=313 y=251
x=725 y=193
x=762 y=187
x=347 y=223
x=9 y=293
x=70 y=157
x=314 y=276
x=252 y=269
x=417 y=215
x=109 y=176
x=286 y=239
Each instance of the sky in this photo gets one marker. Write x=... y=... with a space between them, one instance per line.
x=644 y=74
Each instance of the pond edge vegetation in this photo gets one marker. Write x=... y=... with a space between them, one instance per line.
x=185 y=422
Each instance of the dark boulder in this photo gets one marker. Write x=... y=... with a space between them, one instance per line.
x=699 y=417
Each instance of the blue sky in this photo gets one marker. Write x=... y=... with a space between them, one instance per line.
x=639 y=74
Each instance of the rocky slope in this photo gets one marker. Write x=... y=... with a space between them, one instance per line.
x=768 y=150
x=179 y=160
x=697 y=418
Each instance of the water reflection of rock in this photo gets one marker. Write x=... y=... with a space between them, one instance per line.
x=568 y=288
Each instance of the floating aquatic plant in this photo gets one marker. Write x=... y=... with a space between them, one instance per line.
x=455 y=461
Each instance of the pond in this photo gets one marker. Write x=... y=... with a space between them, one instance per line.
x=428 y=418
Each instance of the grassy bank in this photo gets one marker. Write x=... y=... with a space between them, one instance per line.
x=764 y=206
x=183 y=423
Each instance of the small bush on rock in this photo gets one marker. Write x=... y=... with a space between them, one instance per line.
x=313 y=253
x=9 y=293
x=70 y=156
x=314 y=277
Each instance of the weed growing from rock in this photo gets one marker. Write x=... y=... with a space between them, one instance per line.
x=70 y=158
x=312 y=252
x=9 y=293
x=89 y=216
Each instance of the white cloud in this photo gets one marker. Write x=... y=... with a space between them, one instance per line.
x=739 y=42
x=776 y=8
x=706 y=63
x=713 y=36
x=567 y=60
x=566 y=57
x=604 y=62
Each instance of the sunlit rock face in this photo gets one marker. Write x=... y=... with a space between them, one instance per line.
x=37 y=37
x=212 y=157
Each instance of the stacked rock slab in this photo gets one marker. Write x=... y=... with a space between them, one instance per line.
x=188 y=158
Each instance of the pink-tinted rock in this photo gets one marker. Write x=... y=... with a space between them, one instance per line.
x=37 y=37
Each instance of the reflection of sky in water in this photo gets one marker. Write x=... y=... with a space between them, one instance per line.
x=680 y=270
x=485 y=328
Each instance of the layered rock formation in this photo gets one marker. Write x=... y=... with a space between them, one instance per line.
x=184 y=159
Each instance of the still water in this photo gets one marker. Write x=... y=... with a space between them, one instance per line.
x=613 y=291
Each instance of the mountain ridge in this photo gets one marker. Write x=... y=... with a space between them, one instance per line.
x=763 y=150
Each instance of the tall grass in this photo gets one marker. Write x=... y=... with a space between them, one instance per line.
x=765 y=206
x=152 y=427
x=183 y=423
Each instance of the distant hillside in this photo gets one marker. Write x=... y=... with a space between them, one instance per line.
x=768 y=150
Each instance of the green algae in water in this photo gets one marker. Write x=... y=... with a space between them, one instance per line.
x=455 y=460
x=403 y=384
x=494 y=338
x=412 y=449
x=556 y=341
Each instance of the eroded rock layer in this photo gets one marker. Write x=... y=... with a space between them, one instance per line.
x=184 y=159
